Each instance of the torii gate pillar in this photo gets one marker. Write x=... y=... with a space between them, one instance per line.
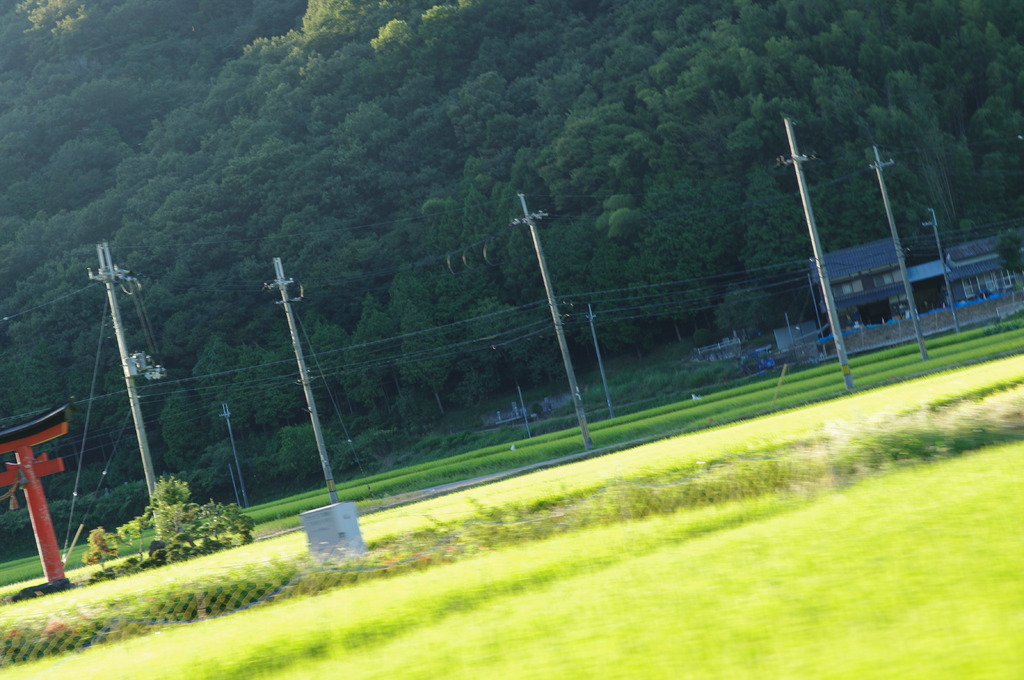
x=26 y=471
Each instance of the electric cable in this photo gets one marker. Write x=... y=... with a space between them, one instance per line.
x=334 y=402
x=106 y=467
x=140 y=310
x=10 y=317
x=85 y=428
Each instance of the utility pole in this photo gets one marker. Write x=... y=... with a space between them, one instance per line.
x=231 y=473
x=819 y=257
x=934 y=224
x=907 y=288
x=132 y=365
x=226 y=415
x=529 y=219
x=526 y=416
x=814 y=301
x=281 y=283
x=600 y=364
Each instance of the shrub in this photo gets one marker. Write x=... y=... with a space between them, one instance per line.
x=184 y=529
x=102 y=546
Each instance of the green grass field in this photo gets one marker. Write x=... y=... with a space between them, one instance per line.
x=914 y=575
x=858 y=562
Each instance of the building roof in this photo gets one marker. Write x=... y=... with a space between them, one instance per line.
x=974 y=269
x=925 y=270
x=978 y=248
x=861 y=258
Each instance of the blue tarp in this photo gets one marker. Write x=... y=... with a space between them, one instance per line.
x=964 y=303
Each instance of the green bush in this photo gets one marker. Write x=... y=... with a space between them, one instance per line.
x=184 y=530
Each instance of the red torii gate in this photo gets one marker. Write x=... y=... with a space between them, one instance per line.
x=25 y=473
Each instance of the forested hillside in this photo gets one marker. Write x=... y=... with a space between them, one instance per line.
x=377 y=148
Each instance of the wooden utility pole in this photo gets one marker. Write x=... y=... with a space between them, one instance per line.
x=795 y=159
x=281 y=283
x=934 y=224
x=226 y=415
x=908 y=290
x=600 y=364
x=556 y=317
x=132 y=365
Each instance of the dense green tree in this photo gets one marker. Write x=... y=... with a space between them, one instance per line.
x=1008 y=246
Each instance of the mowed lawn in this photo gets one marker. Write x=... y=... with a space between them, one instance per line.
x=913 y=575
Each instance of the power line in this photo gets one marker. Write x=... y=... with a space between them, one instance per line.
x=10 y=317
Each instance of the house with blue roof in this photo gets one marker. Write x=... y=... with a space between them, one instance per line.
x=868 y=290
x=976 y=270
x=867 y=287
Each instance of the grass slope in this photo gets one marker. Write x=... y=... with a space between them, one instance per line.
x=914 y=575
